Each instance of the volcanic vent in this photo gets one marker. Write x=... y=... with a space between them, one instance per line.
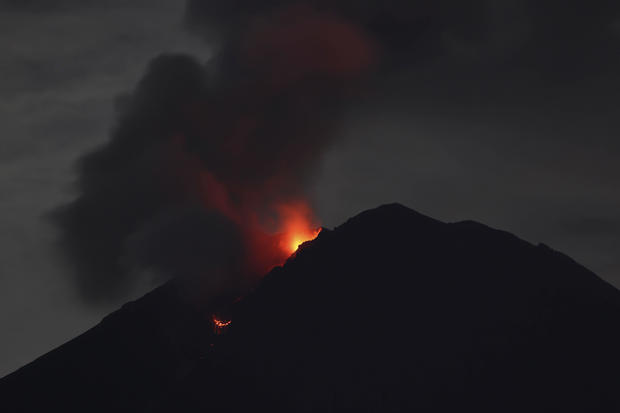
x=208 y=167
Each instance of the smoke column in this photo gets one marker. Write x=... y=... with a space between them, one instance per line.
x=208 y=164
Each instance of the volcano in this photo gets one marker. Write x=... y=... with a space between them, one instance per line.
x=391 y=311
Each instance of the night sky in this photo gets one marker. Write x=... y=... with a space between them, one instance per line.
x=503 y=112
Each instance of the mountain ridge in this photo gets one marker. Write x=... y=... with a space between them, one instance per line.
x=390 y=311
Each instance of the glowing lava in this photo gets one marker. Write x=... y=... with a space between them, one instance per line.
x=219 y=325
x=298 y=238
x=297 y=226
x=269 y=238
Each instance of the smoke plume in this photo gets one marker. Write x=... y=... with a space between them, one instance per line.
x=208 y=161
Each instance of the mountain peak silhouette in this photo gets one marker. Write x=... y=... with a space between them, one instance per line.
x=390 y=311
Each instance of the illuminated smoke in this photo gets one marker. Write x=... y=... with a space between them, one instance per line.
x=205 y=175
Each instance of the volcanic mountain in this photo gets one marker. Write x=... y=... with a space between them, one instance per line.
x=391 y=311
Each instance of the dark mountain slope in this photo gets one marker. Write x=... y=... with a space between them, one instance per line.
x=122 y=364
x=392 y=311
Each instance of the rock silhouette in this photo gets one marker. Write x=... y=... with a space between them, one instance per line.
x=391 y=311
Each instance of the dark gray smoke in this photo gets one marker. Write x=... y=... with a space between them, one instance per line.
x=203 y=154
x=206 y=156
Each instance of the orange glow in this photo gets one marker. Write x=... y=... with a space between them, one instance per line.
x=300 y=237
x=270 y=238
x=297 y=226
x=219 y=325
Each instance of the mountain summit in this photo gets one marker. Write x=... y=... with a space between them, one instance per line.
x=391 y=311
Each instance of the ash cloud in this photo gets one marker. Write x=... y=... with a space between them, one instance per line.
x=205 y=152
x=128 y=182
x=405 y=30
x=485 y=42
x=205 y=155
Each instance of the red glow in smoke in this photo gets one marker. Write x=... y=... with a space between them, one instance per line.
x=297 y=226
x=258 y=141
x=268 y=242
x=268 y=245
x=298 y=41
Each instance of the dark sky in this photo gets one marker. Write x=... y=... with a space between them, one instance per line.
x=505 y=112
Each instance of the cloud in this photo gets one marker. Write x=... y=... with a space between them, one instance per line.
x=60 y=74
x=245 y=131
x=239 y=136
